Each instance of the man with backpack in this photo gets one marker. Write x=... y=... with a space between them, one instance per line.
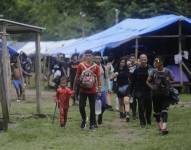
x=88 y=76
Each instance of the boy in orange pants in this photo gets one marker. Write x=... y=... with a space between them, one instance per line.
x=63 y=95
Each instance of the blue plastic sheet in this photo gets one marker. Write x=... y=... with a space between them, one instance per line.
x=121 y=33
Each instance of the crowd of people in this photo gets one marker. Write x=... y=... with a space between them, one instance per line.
x=139 y=88
x=134 y=83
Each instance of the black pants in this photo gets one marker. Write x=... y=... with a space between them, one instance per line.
x=160 y=106
x=145 y=109
x=82 y=105
x=134 y=106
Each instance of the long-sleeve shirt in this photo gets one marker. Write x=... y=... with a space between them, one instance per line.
x=63 y=96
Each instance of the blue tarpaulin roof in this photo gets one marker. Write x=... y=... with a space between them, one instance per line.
x=121 y=33
x=12 y=51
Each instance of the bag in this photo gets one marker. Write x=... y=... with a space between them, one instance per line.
x=123 y=89
x=87 y=77
x=98 y=107
x=114 y=87
x=174 y=96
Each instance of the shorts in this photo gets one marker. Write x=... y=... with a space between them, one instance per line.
x=17 y=84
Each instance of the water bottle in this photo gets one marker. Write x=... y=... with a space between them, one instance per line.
x=98 y=107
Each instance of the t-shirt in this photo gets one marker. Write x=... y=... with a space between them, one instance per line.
x=123 y=76
x=96 y=71
x=139 y=78
x=159 y=79
x=63 y=96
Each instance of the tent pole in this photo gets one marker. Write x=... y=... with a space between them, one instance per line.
x=38 y=73
x=180 y=50
x=187 y=69
x=4 y=91
x=136 y=48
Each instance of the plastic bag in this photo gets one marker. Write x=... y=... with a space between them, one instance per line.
x=98 y=107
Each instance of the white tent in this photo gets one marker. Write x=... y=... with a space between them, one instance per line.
x=46 y=47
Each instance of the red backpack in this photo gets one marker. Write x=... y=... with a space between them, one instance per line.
x=87 y=77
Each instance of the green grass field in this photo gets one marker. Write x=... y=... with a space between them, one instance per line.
x=27 y=133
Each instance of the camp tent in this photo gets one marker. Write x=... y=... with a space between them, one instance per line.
x=165 y=34
x=47 y=47
x=123 y=32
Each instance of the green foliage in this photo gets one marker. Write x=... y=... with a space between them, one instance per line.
x=62 y=19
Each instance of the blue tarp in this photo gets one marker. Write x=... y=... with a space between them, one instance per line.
x=176 y=72
x=121 y=33
x=12 y=51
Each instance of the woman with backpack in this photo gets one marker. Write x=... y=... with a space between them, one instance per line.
x=159 y=81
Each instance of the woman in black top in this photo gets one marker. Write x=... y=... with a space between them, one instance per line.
x=122 y=75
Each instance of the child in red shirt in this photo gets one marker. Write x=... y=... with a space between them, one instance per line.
x=63 y=95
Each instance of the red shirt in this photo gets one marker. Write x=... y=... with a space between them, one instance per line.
x=63 y=96
x=96 y=70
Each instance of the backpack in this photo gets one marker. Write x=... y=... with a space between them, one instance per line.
x=87 y=77
x=174 y=96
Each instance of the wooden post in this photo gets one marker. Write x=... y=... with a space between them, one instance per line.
x=180 y=50
x=4 y=77
x=38 y=73
x=136 y=48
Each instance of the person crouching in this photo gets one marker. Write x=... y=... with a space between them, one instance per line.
x=63 y=95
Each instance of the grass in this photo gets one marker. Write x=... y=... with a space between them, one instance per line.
x=27 y=133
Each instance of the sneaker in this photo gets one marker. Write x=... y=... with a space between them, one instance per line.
x=92 y=128
x=18 y=100
x=127 y=117
x=83 y=125
x=142 y=125
x=164 y=131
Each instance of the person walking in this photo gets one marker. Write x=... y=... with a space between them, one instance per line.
x=63 y=94
x=88 y=74
x=142 y=92
x=159 y=81
x=122 y=74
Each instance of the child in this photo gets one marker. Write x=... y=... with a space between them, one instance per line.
x=63 y=95
x=16 y=76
